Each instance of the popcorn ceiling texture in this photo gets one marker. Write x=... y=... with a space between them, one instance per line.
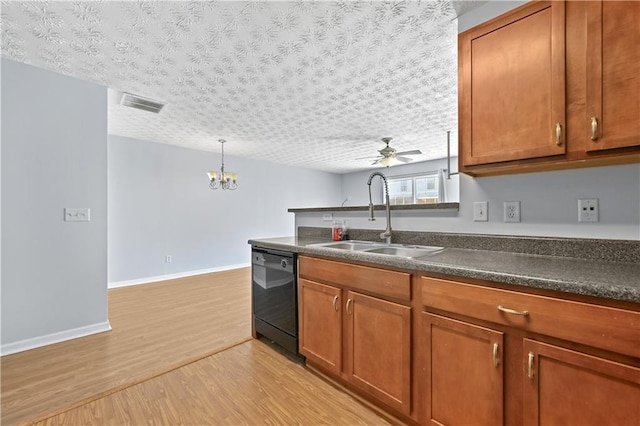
x=310 y=84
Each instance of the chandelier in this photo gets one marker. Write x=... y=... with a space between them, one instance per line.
x=222 y=179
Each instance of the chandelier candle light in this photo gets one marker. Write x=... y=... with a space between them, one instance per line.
x=222 y=179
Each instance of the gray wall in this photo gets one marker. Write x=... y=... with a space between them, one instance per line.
x=160 y=204
x=54 y=155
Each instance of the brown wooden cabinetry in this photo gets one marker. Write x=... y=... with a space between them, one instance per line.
x=612 y=75
x=464 y=367
x=359 y=338
x=320 y=311
x=550 y=85
x=501 y=356
x=511 y=86
x=569 y=387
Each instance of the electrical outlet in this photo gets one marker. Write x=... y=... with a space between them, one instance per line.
x=167 y=259
x=327 y=217
x=588 y=210
x=480 y=211
x=512 y=211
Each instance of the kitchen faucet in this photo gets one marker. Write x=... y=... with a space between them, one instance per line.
x=386 y=235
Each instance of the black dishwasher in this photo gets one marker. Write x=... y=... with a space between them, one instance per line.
x=274 y=296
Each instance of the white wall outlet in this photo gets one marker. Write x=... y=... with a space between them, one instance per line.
x=167 y=259
x=327 y=217
x=77 y=215
x=512 y=211
x=480 y=211
x=588 y=210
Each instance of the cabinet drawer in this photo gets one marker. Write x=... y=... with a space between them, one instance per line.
x=392 y=284
x=612 y=329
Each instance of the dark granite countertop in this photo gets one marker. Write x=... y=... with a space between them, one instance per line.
x=591 y=277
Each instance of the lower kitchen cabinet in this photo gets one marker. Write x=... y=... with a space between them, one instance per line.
x=463 y=371
x=378 y=349
x=491 y=353
x=568 y=387
x=320 y=311
x=363 y=340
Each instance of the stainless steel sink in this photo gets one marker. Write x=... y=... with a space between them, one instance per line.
x=416 y=251
x=349 y=245
x=400 y=250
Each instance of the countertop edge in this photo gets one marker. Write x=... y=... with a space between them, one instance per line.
x=436 y=206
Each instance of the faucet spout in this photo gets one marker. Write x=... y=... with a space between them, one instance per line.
x=386 y=235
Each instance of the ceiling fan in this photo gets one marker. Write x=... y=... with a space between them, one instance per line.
x=389 y=156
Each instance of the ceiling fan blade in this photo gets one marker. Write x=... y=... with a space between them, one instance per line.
x=367 y=158
x=376 y=162
x=404 y=159
x=414 y=152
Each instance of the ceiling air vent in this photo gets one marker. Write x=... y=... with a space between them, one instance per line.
x=135 y=101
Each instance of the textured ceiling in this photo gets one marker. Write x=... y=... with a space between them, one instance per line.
x=310 y=84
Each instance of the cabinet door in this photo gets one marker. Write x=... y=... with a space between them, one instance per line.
x=568 y=387
x=320 y=315
x=378 y=349
x=463 y=373
x=512 y=86
x=613 y=75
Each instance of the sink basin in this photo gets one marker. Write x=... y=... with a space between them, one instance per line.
x=417 y=251
x=381 y=248
x=348 y=245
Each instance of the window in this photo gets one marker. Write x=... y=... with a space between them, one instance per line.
x=422 y=189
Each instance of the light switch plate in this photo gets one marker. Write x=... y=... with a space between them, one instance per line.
x=77 y=215
x=480 y=212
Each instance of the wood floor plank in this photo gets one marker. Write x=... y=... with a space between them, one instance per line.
x=249 y=384
x=155 y=328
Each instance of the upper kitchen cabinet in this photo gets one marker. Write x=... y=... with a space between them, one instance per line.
x=511 y=86
x=549 y=86
x=612 y=75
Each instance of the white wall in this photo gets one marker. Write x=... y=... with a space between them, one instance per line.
x=160 y=204
x=548 y=201
x=54 y=155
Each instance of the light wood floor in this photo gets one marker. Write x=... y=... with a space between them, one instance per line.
x=156 y=327
x=249 y=384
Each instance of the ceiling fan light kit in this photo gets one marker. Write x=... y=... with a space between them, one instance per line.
x=389 y=156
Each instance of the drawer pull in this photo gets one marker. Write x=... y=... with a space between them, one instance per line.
x=335 y=303
x=594 y=128
x=530 y=365
x=496 y=360
x=348 y=303
x=512 y=311
x=558 y=134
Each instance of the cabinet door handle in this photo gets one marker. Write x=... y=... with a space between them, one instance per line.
x=335 y=303
x=530 y=365
x=496 y=360
x=594 y=128
x=558 y=133
x=348 y=303
x=512 y=311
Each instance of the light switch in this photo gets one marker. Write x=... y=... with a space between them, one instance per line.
x=77 y=215
x=480 y=211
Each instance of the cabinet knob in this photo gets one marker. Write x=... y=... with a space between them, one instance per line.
x=594 y=128
x=558 y=133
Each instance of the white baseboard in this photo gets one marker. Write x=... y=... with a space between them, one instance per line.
x=50 y=339
x=148 y=280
